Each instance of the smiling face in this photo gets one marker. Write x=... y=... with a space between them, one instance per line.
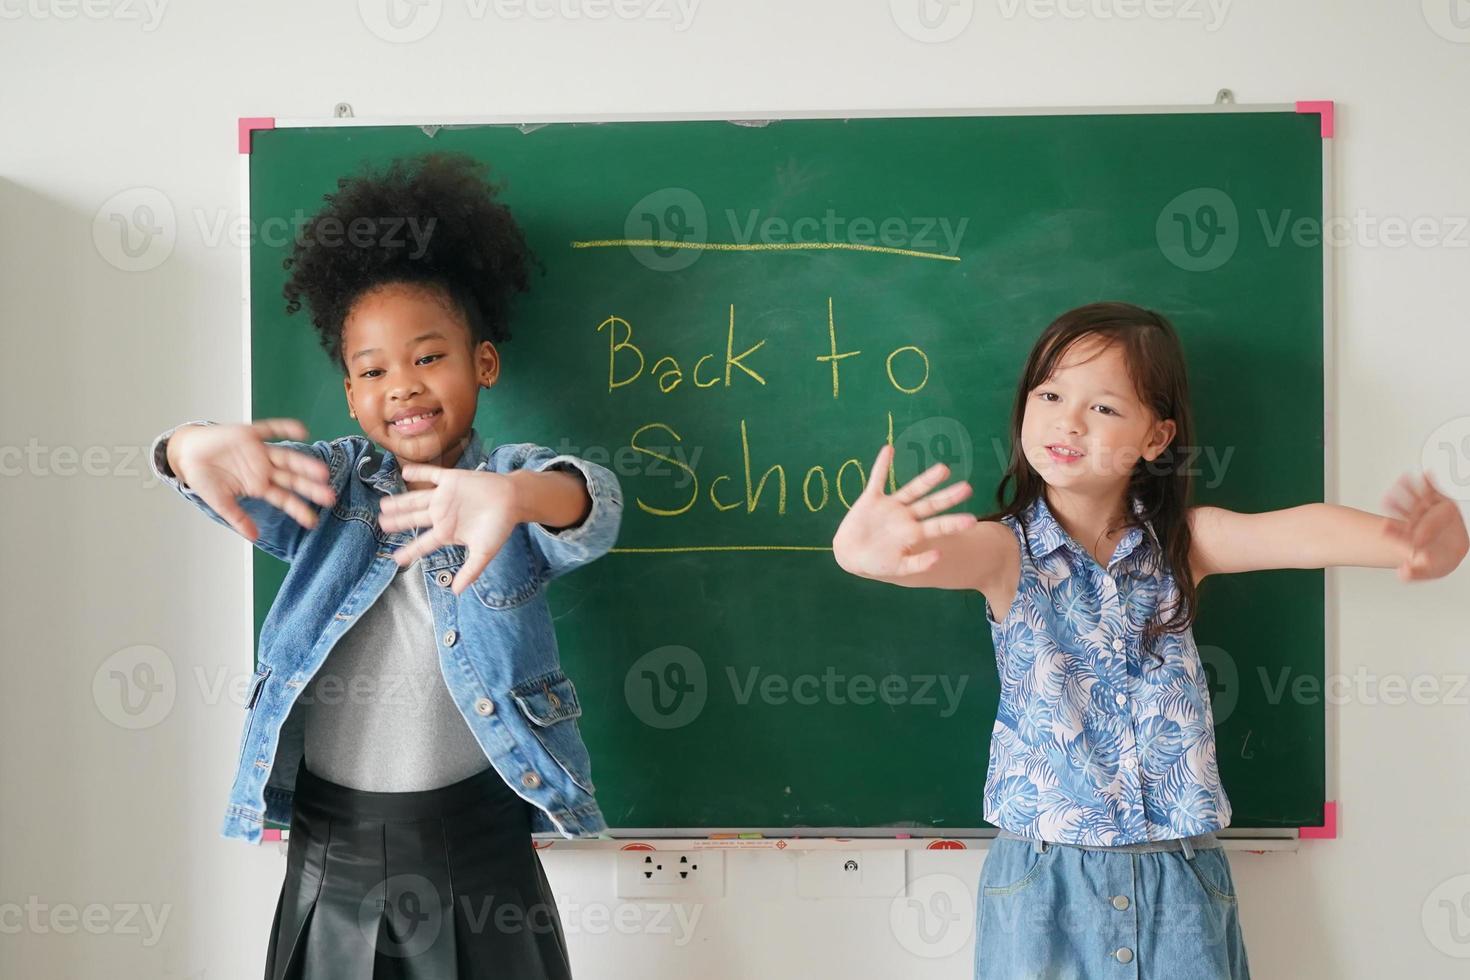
x=1085 y=427
x=409 y=352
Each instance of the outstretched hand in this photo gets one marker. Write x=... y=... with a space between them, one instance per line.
x=223 y=462
x=466 y=507
x=1430 y=524
x=882 y=533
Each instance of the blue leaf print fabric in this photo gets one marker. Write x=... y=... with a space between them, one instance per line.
x=1097 y=741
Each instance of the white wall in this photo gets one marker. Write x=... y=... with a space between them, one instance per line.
x=92 y=812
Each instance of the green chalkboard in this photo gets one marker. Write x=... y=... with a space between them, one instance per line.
x=732 y=676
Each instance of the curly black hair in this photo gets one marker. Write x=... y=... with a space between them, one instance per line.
x=433 y=219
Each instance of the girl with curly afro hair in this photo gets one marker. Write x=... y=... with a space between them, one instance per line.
x=410 y=816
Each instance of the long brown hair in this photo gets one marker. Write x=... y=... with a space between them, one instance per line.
x=1155 y=360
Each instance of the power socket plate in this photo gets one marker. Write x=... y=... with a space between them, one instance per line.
x=670 y=874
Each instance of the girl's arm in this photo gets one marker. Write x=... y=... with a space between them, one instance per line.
x=1424 y=539
x=897 y=538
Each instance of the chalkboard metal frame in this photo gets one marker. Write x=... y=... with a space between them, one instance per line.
x=1237 y=838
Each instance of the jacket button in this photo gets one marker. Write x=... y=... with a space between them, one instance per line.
x=444 y=578
x=450 y=637
x=530 y=780
x=485 y=706
x=1124 y=955
x=1120 y=902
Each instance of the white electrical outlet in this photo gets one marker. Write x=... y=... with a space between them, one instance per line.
x=670 y=874
x=850 y=874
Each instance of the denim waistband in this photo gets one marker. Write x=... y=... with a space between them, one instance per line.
x=1200 y=842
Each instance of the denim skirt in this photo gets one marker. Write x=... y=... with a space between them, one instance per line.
x=1139 y=912
x=441 y=884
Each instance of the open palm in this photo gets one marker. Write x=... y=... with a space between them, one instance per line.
x=884 y=535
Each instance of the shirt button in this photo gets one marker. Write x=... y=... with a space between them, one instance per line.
x=530 y=780
x=485 y=706
x=1118 y=645
x=1122 y=699
x=1130 y=763
x=444 y=578
x=1124 y=955
x=1120 y=902
x=450 y=637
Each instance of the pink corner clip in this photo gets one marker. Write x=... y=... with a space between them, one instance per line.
x=266 y=835
x=249 y=124
x=1328 y=111
x=1328 y=830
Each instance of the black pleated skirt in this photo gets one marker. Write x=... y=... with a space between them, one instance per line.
x=441 y=884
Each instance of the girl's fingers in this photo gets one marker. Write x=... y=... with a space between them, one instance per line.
x=941 y=500
x=293 y=461
x=306 y=485
x=279 y=428
x=293 y=505
x=880 y=471
x=921 y=484
x=409 y=500
x=417 y=548
x=938 y=527
x=404 y=519
x=474 y=564
x=234 y=514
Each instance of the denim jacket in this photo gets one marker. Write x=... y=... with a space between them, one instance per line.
x=497 y=648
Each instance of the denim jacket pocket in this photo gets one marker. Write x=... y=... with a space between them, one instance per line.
x=550 y=704
x=513 y=576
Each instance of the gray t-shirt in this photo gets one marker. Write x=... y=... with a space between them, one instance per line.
x=378 y=714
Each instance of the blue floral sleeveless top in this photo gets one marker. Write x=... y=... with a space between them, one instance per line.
x=1096 y=741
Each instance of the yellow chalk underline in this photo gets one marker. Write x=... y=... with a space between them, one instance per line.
x=721 y=547
x=763 y=247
